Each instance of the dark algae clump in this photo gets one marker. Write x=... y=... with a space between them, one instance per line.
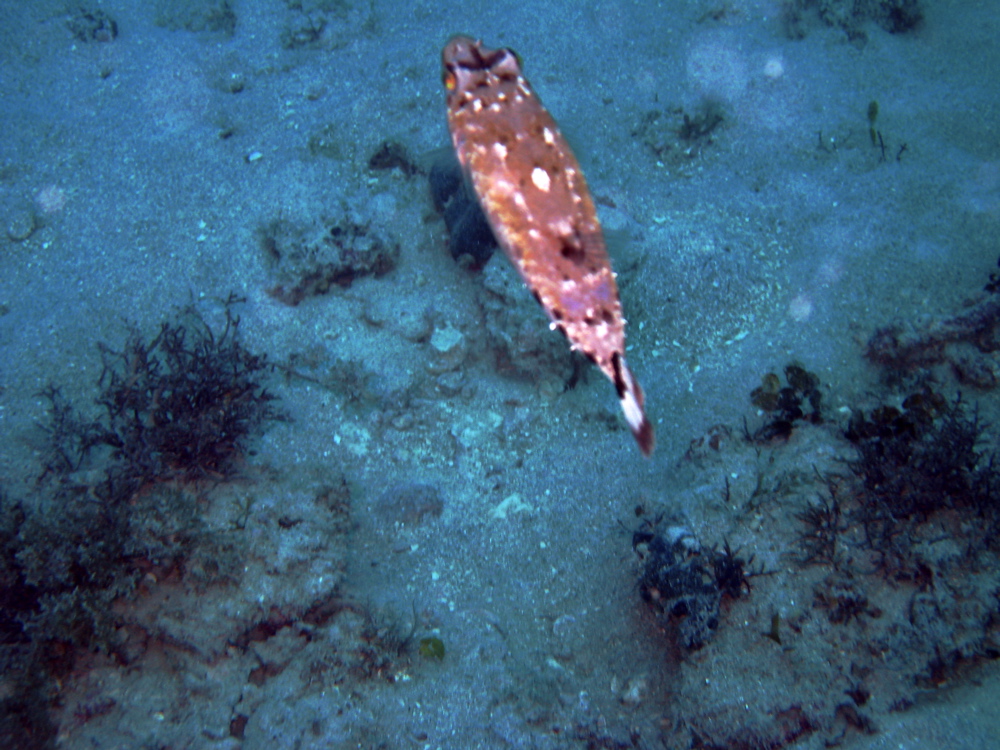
x=686 y=584
x=786 y=406
x=959 y=345
x=117 y=499
x=921 y=461
x=184 y=404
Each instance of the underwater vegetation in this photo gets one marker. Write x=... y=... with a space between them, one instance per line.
x=924 y=459
x=117 y=499
x=184 y=404
x=913 y=464
x=961 y=344
x=914 y=518
x=785 y=406
x=851 y=16
x=891 y=533
x=684 y=583
x=213 y=16
x=921 y=462
x=432 y=648
x=677 y=136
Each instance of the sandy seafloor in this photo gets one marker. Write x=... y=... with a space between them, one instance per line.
x=781 y=237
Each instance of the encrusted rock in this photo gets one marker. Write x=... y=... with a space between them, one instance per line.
x=448 y=349
x=309 y=259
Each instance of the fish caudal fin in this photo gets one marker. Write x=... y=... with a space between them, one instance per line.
x=632 y=401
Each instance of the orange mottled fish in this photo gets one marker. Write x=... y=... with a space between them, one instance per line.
x=537 y=203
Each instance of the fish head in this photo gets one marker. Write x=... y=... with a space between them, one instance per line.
x=468 y=66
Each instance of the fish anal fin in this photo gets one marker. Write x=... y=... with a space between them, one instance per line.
x=633 y=402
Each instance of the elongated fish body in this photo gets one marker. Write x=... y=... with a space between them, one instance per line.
x=537 y=203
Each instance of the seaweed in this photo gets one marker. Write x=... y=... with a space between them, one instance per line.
x=678 y=142
x=909 y=475
x=68 y=437
x=911 y=464
x=307 y=34
x=899 y=16
x=205 y=16
x=53 y=601
x=25 y=722
x=912 y=468
x=784 y=404
x=184 y=405
x=699 y=126
x=684 y=583
x=964 y=342
x=844 y=600
x=872 y=116
x=730 y=572
x=117 y=501
x=92 y=25
x=824 y=525
x=893 y=16
x=432 y=648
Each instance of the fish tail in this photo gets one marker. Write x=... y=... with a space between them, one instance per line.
x=633 y=402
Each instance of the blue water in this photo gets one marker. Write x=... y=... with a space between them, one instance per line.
x=445 y=471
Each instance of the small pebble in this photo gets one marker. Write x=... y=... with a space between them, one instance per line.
x=634 y=691
x=21 y=226
x=563 y=625
x=402 y=421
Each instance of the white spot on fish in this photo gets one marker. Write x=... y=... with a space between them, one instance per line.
x=541 y=179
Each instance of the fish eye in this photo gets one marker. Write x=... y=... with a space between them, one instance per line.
x=449 y=80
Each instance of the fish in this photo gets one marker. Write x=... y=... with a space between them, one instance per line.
x=538 y=205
